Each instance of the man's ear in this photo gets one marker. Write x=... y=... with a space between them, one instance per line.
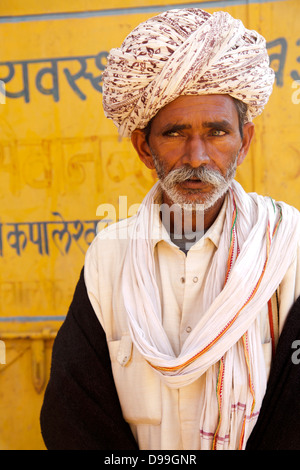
x=138 y=139
x=248 y=134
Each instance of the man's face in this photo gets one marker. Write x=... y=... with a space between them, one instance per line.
x=195 y=146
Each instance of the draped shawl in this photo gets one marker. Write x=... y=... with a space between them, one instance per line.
x=257 y=246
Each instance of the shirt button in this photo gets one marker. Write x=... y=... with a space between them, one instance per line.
x=182 y=279
x=188 y=329
x=195 y=279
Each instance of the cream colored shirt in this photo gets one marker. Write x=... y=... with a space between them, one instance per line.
x=162 y=418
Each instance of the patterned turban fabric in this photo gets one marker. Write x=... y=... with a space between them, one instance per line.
x=184 y=52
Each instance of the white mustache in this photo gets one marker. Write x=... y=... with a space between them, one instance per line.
x=206 y=175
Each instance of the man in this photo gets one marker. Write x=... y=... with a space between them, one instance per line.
x=169 y=339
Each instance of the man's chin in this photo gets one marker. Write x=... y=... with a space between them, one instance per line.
x=191 y=200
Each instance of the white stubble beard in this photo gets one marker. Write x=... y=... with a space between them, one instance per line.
x=169 y=184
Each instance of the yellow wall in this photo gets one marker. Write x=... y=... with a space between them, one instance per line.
x=60 y=159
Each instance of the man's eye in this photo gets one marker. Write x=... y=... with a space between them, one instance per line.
x=171 y=133
x=218 y=132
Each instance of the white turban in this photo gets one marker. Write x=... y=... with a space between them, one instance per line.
x=184 y=52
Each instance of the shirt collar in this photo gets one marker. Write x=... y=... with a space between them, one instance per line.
x=159 y=232
x=215 y=230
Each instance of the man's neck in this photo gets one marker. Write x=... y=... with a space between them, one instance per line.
x=180 y=221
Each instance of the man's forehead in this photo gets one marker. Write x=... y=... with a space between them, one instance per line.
x=206 y=107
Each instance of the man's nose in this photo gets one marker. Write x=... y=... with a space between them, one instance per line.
x=195 y=152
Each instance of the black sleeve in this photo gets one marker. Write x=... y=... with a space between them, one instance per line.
x=81 y=409
x=278 y=424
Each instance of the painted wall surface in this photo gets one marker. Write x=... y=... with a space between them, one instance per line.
x=60 y=159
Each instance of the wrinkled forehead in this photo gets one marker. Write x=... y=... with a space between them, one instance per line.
x=197 y=111
x=211 y=104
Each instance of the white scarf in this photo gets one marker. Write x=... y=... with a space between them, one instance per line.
x=226 y=343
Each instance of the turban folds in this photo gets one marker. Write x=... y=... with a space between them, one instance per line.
x=184 y=52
